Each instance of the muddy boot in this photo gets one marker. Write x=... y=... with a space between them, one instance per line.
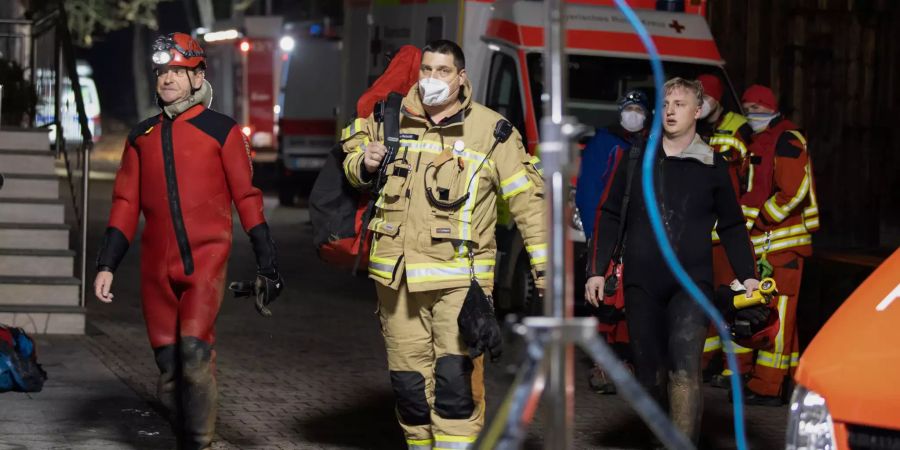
x=167 y=386
x=198 y=393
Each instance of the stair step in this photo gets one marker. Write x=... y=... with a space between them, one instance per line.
x=25 y=139
x=26 y=162
x=36 y=290
x=33 y=186
x=44 y=319
x=32 y=210
x=40 y=236
x=35 y=262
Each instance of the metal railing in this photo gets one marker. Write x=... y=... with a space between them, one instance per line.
x=43 y=48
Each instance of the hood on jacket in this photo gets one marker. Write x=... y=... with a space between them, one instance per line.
x=201 y=96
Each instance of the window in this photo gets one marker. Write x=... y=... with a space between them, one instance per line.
x=596 y=83
x=503 y=93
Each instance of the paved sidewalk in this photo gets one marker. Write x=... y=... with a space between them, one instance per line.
x=83 y=405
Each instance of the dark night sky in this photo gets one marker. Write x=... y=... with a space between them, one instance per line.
x=110 y=57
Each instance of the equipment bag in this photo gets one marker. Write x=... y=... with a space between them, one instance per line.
x=339 y=213
x=19 y=369
x=336 y=210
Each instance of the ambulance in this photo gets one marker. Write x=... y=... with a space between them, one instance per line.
x=307 y=108
x=504 y=43
x=846 y=394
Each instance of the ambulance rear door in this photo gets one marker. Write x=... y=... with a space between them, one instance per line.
x=310 y=100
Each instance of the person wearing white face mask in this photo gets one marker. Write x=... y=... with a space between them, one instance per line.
x=603 y=152
x=433 y=246
x=781 y=210
x=599 y=159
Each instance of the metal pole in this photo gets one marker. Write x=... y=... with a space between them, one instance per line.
x=1 y=103
x=33 y=62
x=57 y=90
x=85 y=197
x=555 y=148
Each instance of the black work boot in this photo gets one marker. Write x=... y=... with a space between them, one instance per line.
x=167 y=386
x=720 y=381
x=198 y=393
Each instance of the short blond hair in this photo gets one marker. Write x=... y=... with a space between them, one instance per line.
x=681 y=83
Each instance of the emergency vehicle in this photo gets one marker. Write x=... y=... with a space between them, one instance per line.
x=245 y=63
x=846 y=394
x=504 y=42
x=307 y=108
x=68 y=113
x=285 y=92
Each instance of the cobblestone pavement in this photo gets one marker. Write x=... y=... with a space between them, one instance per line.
x=314 y=376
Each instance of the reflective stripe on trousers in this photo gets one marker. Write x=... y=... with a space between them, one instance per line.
x=453 y=442
x=420 y=444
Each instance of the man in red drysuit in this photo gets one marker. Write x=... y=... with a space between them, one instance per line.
x=183 y=169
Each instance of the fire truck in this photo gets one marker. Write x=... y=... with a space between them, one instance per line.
x=503 y=41
x=245 y=64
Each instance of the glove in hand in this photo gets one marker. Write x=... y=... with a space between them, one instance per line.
x=265 y=289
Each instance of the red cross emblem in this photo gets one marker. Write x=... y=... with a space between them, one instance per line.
x=677 y=26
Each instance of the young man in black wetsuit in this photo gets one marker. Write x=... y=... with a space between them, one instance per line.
x=694 y=191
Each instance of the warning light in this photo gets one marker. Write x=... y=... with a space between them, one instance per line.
x=245 y=46
x=246 y=131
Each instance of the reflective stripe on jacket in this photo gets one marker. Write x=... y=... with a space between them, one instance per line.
x=781 y=208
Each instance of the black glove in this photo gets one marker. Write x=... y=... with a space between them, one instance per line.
x=265 y=289
x=264 y=249
x=744 y=323
x=607 y=314
x=478 y=325
x=749 y=321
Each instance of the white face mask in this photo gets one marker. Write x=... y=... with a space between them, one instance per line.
x=633 y=121
x=706 y=108
x=434 y=92
x=760 y=121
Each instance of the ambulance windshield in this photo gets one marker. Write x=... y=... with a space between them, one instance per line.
x=596 y=82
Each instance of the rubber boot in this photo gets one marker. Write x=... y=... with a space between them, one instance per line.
x=198 y=393
x=167 y=386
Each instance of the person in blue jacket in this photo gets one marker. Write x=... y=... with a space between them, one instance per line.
x=603 y=151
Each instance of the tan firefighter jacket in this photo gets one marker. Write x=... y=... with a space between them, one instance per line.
x=428 y=244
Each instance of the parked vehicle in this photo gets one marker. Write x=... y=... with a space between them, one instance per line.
x=846 y=395
x=44 y=83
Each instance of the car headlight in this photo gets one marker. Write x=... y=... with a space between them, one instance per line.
x=809 y=423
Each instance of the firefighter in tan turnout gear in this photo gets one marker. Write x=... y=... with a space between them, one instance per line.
x=433 y=229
